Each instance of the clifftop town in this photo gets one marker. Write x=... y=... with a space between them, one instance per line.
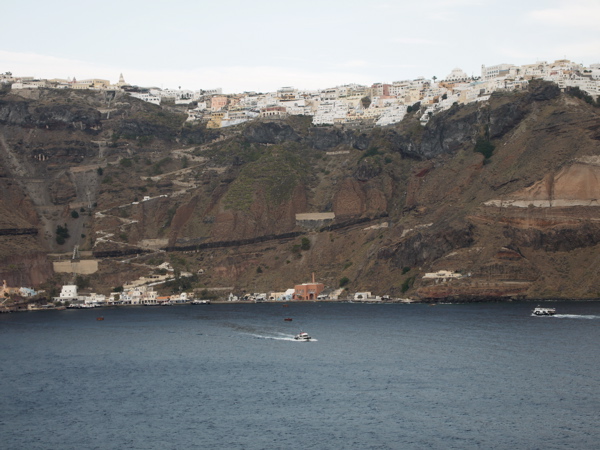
x=380 y=104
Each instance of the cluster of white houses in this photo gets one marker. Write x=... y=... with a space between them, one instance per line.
x=141 y=292
x=131 y=295
x=146 y=295
x=380 y=104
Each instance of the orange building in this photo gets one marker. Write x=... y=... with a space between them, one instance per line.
x=308 y=291
x=218 y=102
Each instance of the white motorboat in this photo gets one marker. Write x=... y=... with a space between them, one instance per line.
x=302 y=337
x=539 y=311
x=200 y=302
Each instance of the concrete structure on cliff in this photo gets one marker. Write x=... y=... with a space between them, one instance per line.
x=442 y=276
x=314 y=220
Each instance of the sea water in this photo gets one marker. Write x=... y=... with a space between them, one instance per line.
x=231 y=376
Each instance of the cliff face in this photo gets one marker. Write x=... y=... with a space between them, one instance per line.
x=29 y=114
x=270 y=133
x=504 y=192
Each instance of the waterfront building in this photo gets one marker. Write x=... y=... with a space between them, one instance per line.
x=68 y=293
x=366 y=297
x=308 y=291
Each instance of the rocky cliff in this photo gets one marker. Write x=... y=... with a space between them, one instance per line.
x=504 y=193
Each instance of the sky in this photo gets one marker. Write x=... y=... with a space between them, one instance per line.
x=263 y=45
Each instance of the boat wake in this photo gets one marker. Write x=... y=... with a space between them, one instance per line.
x=575 y=316
x=276 y=337
x=273 y=338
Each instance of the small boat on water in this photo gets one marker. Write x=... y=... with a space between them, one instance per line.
x=200 y=302
x=539 y=311
x=100 y=318
x=302 y=337
x=288 y=319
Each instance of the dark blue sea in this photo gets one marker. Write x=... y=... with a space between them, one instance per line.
x=231 y=376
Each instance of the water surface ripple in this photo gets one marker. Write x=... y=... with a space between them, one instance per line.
x=231 y=376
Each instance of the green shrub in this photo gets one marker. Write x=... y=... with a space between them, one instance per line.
x=485 y=147
x=305 y=244
x=371 y=152
x=408 y=283
x=344 y=281
x=62 y=234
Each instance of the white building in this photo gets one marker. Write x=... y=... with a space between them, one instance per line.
x=366 y=297
x=180 y=298
x=216 y=91
x=499 y=70
x=67 y=293
x=457 y=76
x=138 y=295
x=391 y=114
x=93 y=299
x=295 y=106
x=146 y=96
x=442 y=276
x=328 y=112
x=30 y=84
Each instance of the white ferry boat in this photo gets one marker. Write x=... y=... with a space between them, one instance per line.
x=302 y=337
x=544 y=311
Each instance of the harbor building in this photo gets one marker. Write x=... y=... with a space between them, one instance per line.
x=308 y=291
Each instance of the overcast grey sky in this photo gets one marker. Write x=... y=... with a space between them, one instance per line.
x=262 y=45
